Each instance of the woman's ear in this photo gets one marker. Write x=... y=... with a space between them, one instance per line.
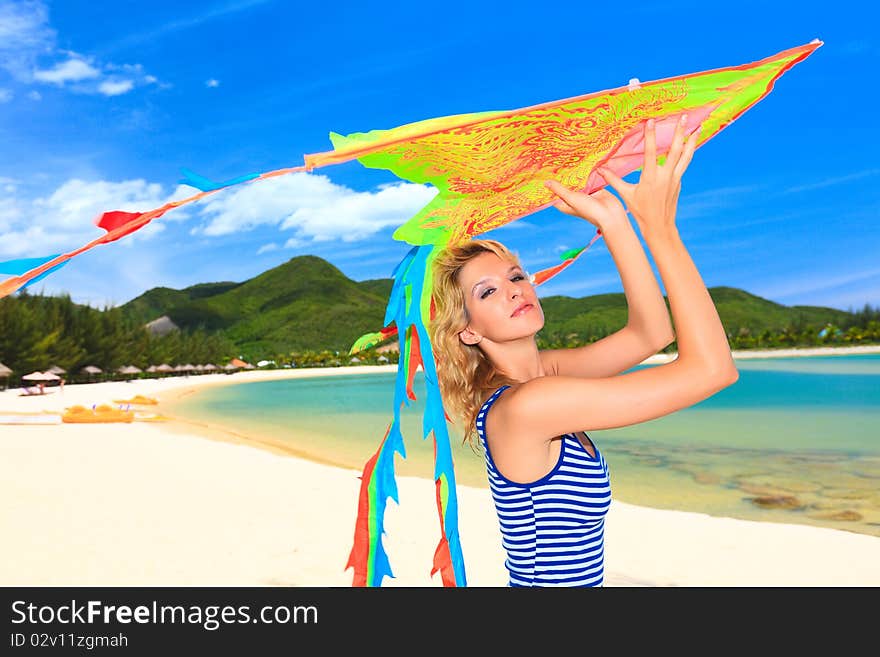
x=469 y=337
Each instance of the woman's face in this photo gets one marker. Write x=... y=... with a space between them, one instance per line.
x=495 y=291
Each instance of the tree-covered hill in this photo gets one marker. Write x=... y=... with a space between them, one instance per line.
x=307 y=312
x=305 y=303
x=308 y=304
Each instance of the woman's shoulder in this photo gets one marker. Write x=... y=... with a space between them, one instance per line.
x=494 y=394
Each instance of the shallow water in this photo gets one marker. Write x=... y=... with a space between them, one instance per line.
x=794 y=440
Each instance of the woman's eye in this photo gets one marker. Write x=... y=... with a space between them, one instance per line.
x=492 y=289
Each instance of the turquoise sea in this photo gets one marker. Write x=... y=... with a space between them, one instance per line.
x=794 y=440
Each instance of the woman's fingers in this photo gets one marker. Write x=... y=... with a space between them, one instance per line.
x=562 y=206
x=687 y=155
x=574 y=203
x=622 y=187
x=674 y=154
x=562 y=192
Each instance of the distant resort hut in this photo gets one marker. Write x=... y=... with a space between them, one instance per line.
x=229 y=368
x=90 y=371
x=129 y=371
x=5 y=373
x=184 y=369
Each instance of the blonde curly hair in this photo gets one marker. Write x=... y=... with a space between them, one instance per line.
x=465 y=374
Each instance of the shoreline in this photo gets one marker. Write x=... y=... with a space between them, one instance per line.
x=81 y=506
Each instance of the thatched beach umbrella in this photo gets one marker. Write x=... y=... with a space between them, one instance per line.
x=5 y=373
x=91 y=370
x=210 y=367
x=164 y=367
x=151 y=368
x=40 y=376
x=131 y=370
x=57 y=370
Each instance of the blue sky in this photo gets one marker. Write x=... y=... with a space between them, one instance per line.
x=103 y=103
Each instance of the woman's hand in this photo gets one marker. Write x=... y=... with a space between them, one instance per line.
x=654 y=199
x=601 y=208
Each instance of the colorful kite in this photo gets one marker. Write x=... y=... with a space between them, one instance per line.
x=489 y=169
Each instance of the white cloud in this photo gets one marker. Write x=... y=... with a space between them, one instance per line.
x=64 y=220
x=578 y=288
x=24 y=35
x=115 y=87
x=828 y=182
x=180 y=24
x=29 y=52
x=73 y=70
x=212 y=83
x=35 y=95
x=5 y=95
x=310 y=207
x=314 y=208
x=799 y=286
x=700 y=204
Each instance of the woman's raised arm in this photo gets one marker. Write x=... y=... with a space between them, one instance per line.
x=553 y=405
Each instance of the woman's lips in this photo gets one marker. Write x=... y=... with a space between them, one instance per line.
x=526 y=308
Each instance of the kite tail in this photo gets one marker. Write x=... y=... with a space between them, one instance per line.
x=567 y=259
x=448 y=559
x=408 y=305
x=369 y=340
x=368 y=557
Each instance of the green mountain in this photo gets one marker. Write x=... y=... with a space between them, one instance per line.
x=305 y=303
x=308 y=304
x=587 y=318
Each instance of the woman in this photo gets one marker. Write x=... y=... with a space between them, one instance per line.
x=529 y=410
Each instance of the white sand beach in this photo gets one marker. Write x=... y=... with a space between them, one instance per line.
x=158 y=504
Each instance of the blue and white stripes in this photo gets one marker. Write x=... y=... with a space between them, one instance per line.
x=552 y=529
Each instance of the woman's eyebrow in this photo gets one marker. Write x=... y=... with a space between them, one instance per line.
x=488 y=278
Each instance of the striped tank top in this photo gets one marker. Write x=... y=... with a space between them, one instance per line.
x=553 y=529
